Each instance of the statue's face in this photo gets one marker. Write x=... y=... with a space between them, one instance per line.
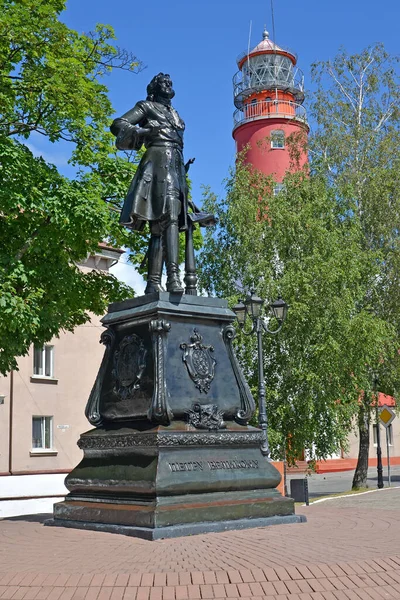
x=165 y=89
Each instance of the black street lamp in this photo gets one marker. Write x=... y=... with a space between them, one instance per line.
x=251 y=308
x=378 y=435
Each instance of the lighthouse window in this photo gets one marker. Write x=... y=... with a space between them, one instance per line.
x=278 y=139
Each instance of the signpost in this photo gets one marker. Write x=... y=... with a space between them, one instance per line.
x=386 y=417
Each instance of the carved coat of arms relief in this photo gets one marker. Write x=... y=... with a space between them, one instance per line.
x=129 y=365
x=199 y=361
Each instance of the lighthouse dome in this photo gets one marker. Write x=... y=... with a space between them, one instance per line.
x=267 y=45
x=267 y=67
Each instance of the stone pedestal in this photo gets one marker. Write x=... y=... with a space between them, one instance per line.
x=171 y=453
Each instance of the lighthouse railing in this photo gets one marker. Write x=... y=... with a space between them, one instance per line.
x=264 y=109
x=245 y=84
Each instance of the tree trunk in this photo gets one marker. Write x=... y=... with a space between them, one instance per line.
x=361 y=474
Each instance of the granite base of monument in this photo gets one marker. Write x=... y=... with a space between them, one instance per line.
x=172 y=453
x=166 y=482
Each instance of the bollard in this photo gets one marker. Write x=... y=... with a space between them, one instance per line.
x=299 y=490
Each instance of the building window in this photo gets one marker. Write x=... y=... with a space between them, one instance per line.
x=278 y=139
x=383 y=435
x=42 y=433
x=43 y=361
x=278 y=187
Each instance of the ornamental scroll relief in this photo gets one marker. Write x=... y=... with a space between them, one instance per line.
x=172 y=440
x=92 y=410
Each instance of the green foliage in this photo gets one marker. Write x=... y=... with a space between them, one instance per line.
x=356 y=145
x=329 y=244
x=50 y=74
x=50 y=83
x=305 y=245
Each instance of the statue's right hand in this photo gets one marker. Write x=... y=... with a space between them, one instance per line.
x=129 y=137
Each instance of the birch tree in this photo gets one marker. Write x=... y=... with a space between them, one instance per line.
x=356 y=145
x=328 y=243
x=299 y=245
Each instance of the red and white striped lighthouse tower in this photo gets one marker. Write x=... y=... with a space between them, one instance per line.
x=268 y=95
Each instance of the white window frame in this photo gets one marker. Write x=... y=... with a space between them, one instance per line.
x=383 y=435
x=275 y=134
x=37 y=368
x=278 y=188
x=44 y=420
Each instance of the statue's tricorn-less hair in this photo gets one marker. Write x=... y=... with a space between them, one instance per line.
x=153 y=85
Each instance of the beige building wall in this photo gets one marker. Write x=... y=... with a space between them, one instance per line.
x=77 y=357
x=62 y=396
x=394 y=448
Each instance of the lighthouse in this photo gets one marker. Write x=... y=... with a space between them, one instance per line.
x=270 y=118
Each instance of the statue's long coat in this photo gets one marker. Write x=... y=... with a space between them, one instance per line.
x=161 y=167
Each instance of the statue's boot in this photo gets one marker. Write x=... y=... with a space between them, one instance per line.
x=155 y=262
x=172 y=257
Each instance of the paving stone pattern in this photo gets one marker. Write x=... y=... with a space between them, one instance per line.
x=349 y=549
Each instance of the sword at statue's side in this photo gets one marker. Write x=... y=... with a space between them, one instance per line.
x=204 y=220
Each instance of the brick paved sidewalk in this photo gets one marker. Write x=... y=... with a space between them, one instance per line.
x=349 y=549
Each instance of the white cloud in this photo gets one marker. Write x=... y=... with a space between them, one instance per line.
x=128 y=274
x=51 y=155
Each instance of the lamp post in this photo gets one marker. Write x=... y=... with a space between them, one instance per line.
x=251 y=308
x=378 y=436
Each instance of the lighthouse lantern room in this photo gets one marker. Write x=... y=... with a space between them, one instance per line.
x=269 y=95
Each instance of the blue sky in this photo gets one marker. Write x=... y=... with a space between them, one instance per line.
x=197 y=42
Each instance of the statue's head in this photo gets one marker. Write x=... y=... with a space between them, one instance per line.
x=160 y=87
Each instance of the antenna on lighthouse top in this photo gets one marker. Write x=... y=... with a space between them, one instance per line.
x=274 y=43
x=273 y=22
x=248 y=45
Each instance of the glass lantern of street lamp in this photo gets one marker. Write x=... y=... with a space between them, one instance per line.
x=253 y=305
x=279 y=309
x=240 y=312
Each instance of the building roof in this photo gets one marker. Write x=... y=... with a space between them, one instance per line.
x=105 y=246
x=384 y=399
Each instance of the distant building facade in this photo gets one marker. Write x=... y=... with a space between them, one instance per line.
x=389 y=438
x=42 y=404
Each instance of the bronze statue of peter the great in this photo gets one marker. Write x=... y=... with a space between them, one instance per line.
x=158 y=192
